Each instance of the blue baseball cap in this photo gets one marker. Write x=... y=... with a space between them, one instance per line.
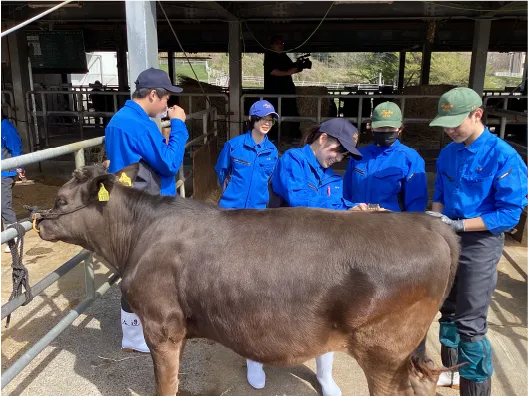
x=263 y=108
x=345 y=133
x=156 y=78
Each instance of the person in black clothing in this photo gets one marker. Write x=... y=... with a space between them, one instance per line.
x=278 y=72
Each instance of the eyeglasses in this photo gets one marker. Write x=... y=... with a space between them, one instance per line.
x=271 y=121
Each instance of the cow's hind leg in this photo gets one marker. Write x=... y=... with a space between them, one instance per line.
x=386 y=376
x=166 y=349
x=384 y=349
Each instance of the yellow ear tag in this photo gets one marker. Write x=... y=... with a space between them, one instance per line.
x=125 y=180
x=103 y=194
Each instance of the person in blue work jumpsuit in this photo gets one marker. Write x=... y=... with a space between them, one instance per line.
x=141 y=157
x=480 y=191
x=303 y=178
x=246 y=162
x=11 y=147
x=389 y=174
x=244 y=169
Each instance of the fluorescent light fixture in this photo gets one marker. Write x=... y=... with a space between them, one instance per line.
x=337 y=2
x=48 y=3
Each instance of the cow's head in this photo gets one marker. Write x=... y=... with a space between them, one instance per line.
x=78 y=207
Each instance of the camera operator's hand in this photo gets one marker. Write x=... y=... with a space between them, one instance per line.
x=176 y=112
x=293 y=71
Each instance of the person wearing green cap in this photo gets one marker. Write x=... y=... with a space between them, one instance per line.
x=389 y=174
x=480 y=191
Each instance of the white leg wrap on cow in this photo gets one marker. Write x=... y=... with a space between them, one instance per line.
x=133 y=339
x=255 y=374
x=324 y=375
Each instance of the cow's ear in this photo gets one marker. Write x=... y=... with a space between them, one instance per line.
x=101 y=187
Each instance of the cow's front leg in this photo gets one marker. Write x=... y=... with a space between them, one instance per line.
x=166 y=353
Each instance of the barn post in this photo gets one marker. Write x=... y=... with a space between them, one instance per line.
x=235 y=78
x=479 y=55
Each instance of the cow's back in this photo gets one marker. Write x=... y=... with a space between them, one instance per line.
x=245 y=265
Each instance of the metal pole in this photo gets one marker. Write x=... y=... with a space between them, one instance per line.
x=33 y=103
x=9 y=374
x=46 y=154
x=503 y=120
x=80 y=110
x=205 y=131
x=318 y=110
x=14 y=28
x=89 y=276
x=15 y=303
x=10 y=234
x=215 y=122
x=79 y=159
x=182 y=177
x=360 y=113
x=280 y=121
x=43 y=98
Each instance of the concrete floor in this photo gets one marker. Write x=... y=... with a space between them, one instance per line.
x=86 y=358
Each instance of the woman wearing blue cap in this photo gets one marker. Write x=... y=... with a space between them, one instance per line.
x=390 y=174
x=303 y=178
x=244 y=169
x=246 y=162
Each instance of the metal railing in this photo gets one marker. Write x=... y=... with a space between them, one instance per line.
x=84 y=117
x=318 y=118
x=208 y=117
x=206 y=134
x=359 y=119
x=505 y=114
x=85 y=256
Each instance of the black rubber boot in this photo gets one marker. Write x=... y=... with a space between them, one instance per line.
x=469 y=388
x=449 y=356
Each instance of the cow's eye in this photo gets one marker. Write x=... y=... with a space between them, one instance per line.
x=61 y=202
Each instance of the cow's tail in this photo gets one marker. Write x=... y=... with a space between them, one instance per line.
x=453 y=241
x=421 y=365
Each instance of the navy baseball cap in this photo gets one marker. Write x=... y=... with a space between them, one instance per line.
x=263 y=108
x=156 y=78
x=345 y=133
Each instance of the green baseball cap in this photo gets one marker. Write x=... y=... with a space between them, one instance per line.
x=386 y=114
x=454 y=106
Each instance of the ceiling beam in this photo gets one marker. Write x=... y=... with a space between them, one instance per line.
x=510 y=6
x=217 y=7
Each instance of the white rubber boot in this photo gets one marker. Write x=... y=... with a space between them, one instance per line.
x=449 y=379
x=256 y=376
x=324 y=375
x=133 y=339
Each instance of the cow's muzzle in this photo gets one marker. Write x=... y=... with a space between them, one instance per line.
x=37 y=217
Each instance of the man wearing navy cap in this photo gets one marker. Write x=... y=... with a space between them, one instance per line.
x=141 y=157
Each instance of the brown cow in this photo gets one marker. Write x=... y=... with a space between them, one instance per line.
x=277 y=286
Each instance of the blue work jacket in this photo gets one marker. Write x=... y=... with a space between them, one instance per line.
x=131 y=137
x=487 y=179
x=393 y=177
x=302 y=182
x=246 y=167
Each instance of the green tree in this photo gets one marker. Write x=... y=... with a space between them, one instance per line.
x=373 y=63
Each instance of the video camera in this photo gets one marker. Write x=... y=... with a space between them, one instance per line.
x=303 y=62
